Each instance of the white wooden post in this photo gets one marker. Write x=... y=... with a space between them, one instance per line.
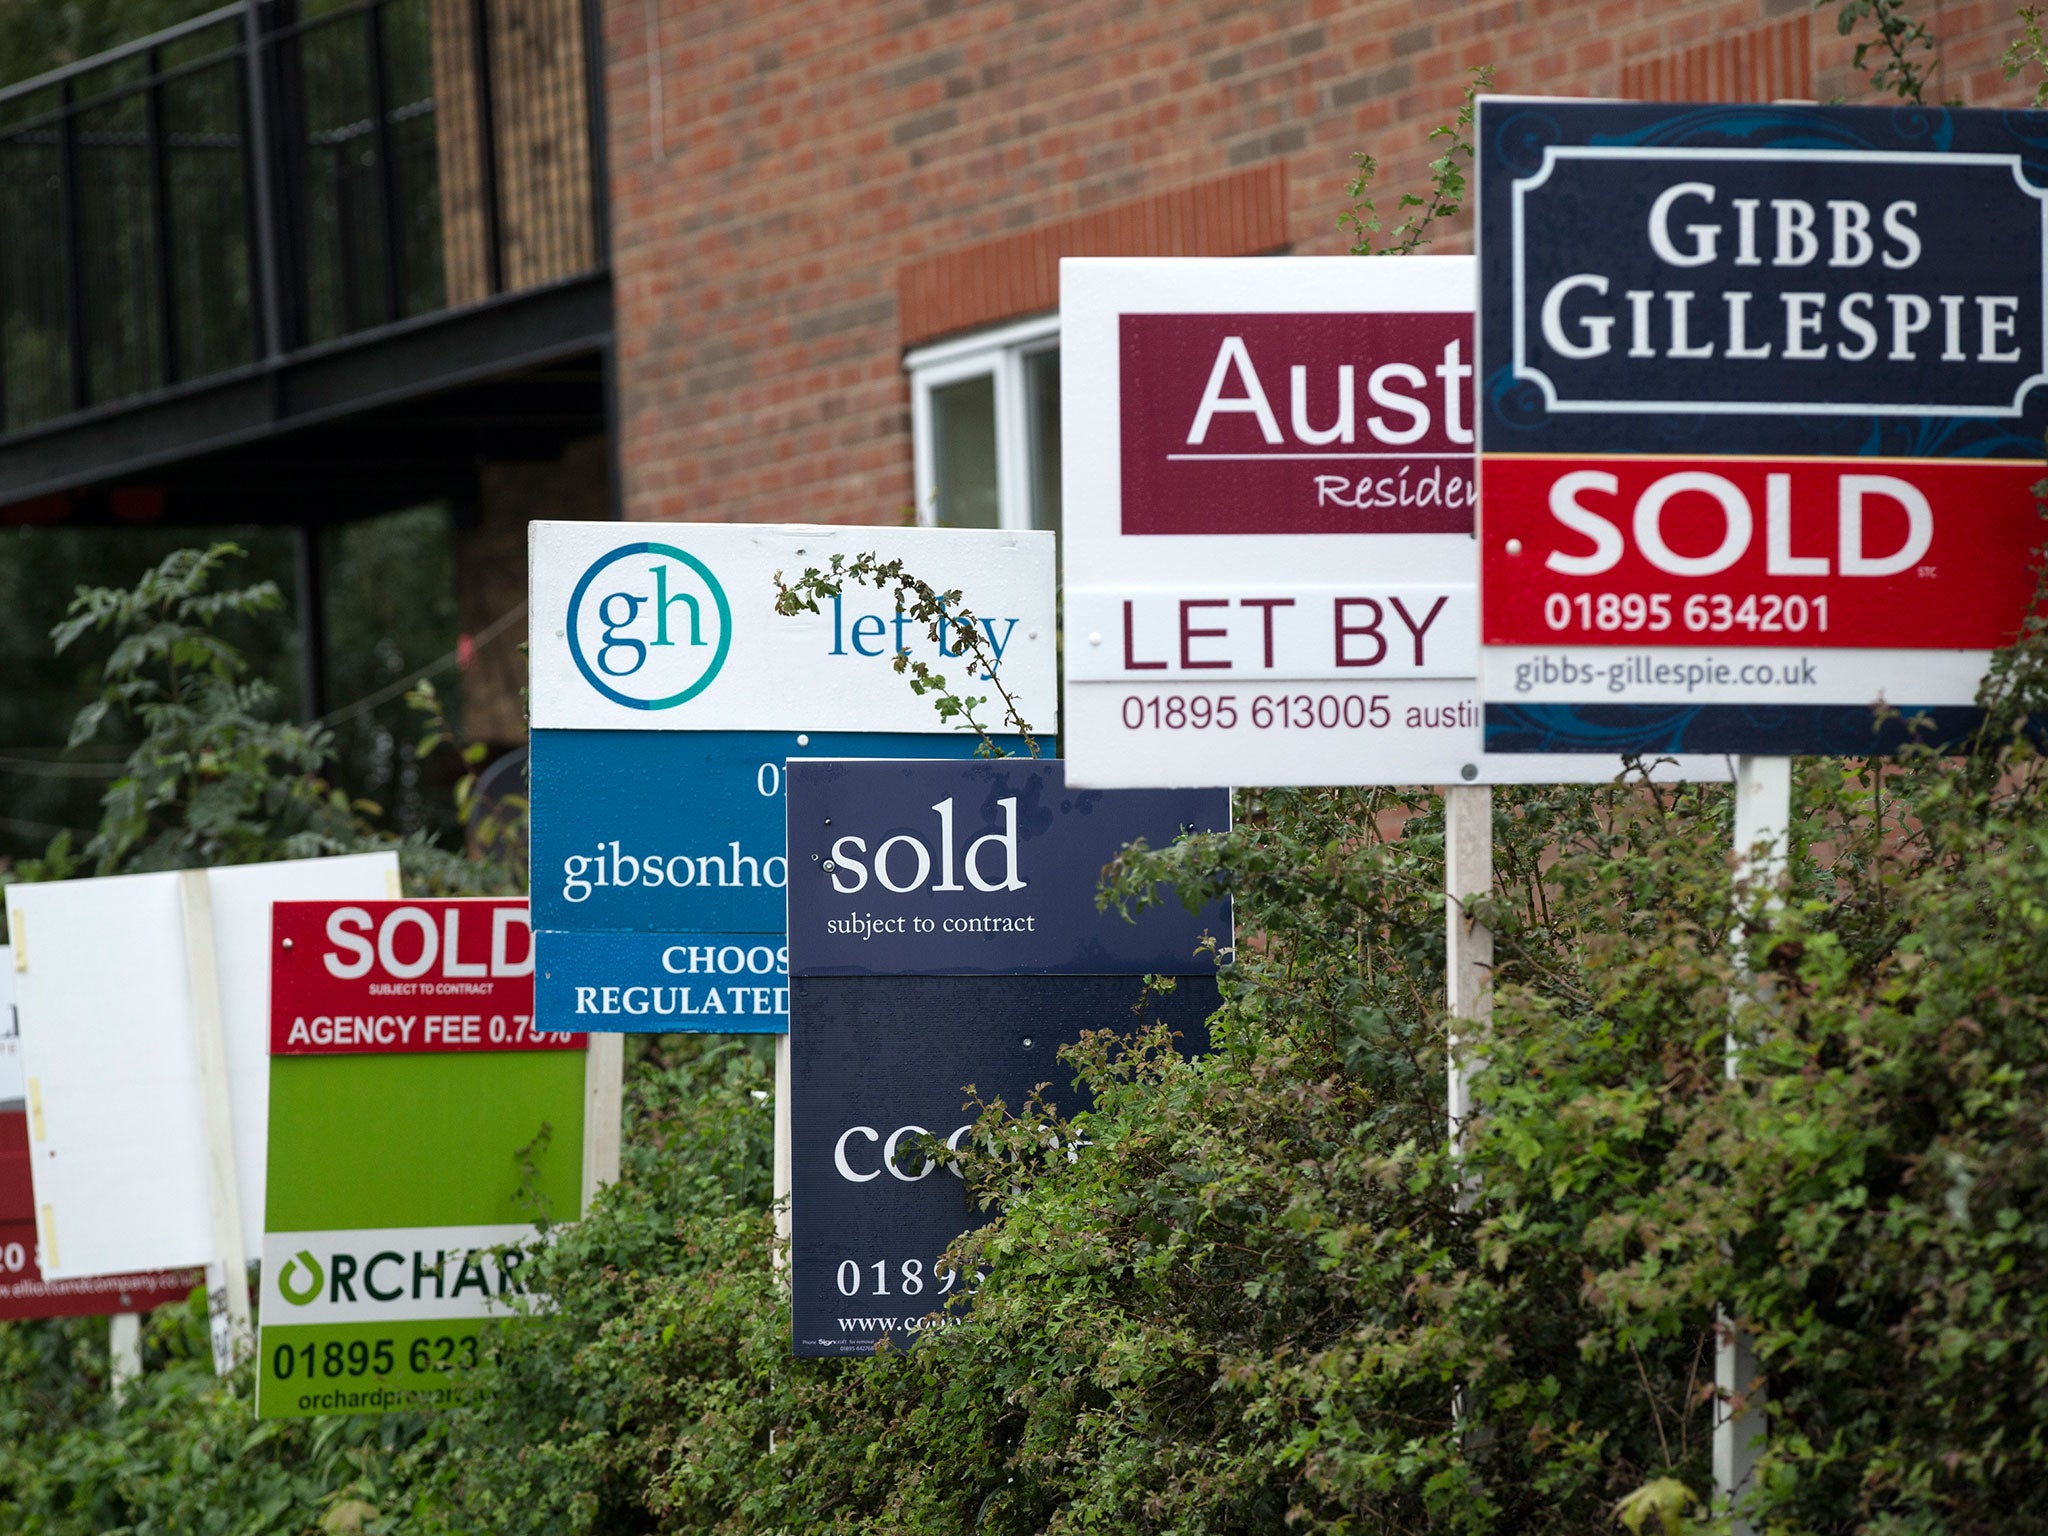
x=124 y=1352
x=1468 y=981
x=1763 y=818
x=604 y=1086
x=785 y=1160
x=227 y=1287
x=1468 y=944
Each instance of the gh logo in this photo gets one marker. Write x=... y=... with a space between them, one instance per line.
x=649 y=626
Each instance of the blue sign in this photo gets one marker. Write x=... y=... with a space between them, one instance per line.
x=659 y=873
x=981 y=868
x=878 y=1061
x=1854 y=281
x=945 y=942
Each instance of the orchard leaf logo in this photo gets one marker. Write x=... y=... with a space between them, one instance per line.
x=296 y=1295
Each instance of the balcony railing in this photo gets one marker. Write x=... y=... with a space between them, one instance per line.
x=273 y=176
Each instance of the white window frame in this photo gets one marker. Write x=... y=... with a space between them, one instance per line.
x=1001 y=353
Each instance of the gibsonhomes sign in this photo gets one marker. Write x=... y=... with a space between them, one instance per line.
x=668 y=694
x=1758 y=421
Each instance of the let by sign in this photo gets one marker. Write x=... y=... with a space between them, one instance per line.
x=1268 y=507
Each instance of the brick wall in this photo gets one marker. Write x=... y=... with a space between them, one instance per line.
x=800 y=189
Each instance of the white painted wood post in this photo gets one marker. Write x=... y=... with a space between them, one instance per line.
x=1763 y=818
x=124 y=1353
x=227 y=1280
x=785 y=1160
x=1468 y=944
x=604 y=1087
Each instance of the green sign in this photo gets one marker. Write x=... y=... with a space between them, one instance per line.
x=405 y=1185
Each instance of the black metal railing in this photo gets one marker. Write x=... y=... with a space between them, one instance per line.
x=276 y=175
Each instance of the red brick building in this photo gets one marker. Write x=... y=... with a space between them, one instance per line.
x=804 y=194
x=776 y=260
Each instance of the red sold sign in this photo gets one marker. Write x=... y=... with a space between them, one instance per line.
x=356 y=978
x=23 y=1290
x=1899 y=554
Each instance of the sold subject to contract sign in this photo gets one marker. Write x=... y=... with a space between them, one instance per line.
x=419 y=1127
x=1760 y=417
x=943 y=933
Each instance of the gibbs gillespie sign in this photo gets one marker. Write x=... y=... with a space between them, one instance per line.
x=1269 y=492
x=667 y=696
x=1761 y=411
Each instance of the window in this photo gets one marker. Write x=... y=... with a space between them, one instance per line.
x=985 y=418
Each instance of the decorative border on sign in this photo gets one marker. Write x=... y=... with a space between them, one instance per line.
x=1552 y=154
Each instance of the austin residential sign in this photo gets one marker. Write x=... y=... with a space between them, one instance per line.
x=1269 y=503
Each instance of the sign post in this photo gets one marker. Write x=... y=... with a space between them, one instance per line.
x=1468 y=942
x=420 y=1128
x=1763 y=819
x=1759 y=430
x=944 y=941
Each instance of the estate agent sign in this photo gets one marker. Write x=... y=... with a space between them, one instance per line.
x=1269 y=490
x=667 y=695
x=419 y=1127
x=1759 y=420
x=24 y=1291
x=944 y=933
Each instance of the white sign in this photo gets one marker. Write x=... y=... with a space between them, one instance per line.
x=110 y=1052
x=672 y=626
x=1270 y=571
x=384 y=1274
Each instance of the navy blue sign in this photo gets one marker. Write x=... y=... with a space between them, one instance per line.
x=945 y=942
x=659 y=873
x=980 y=868
x=880 y=1061
x=1761 y=279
